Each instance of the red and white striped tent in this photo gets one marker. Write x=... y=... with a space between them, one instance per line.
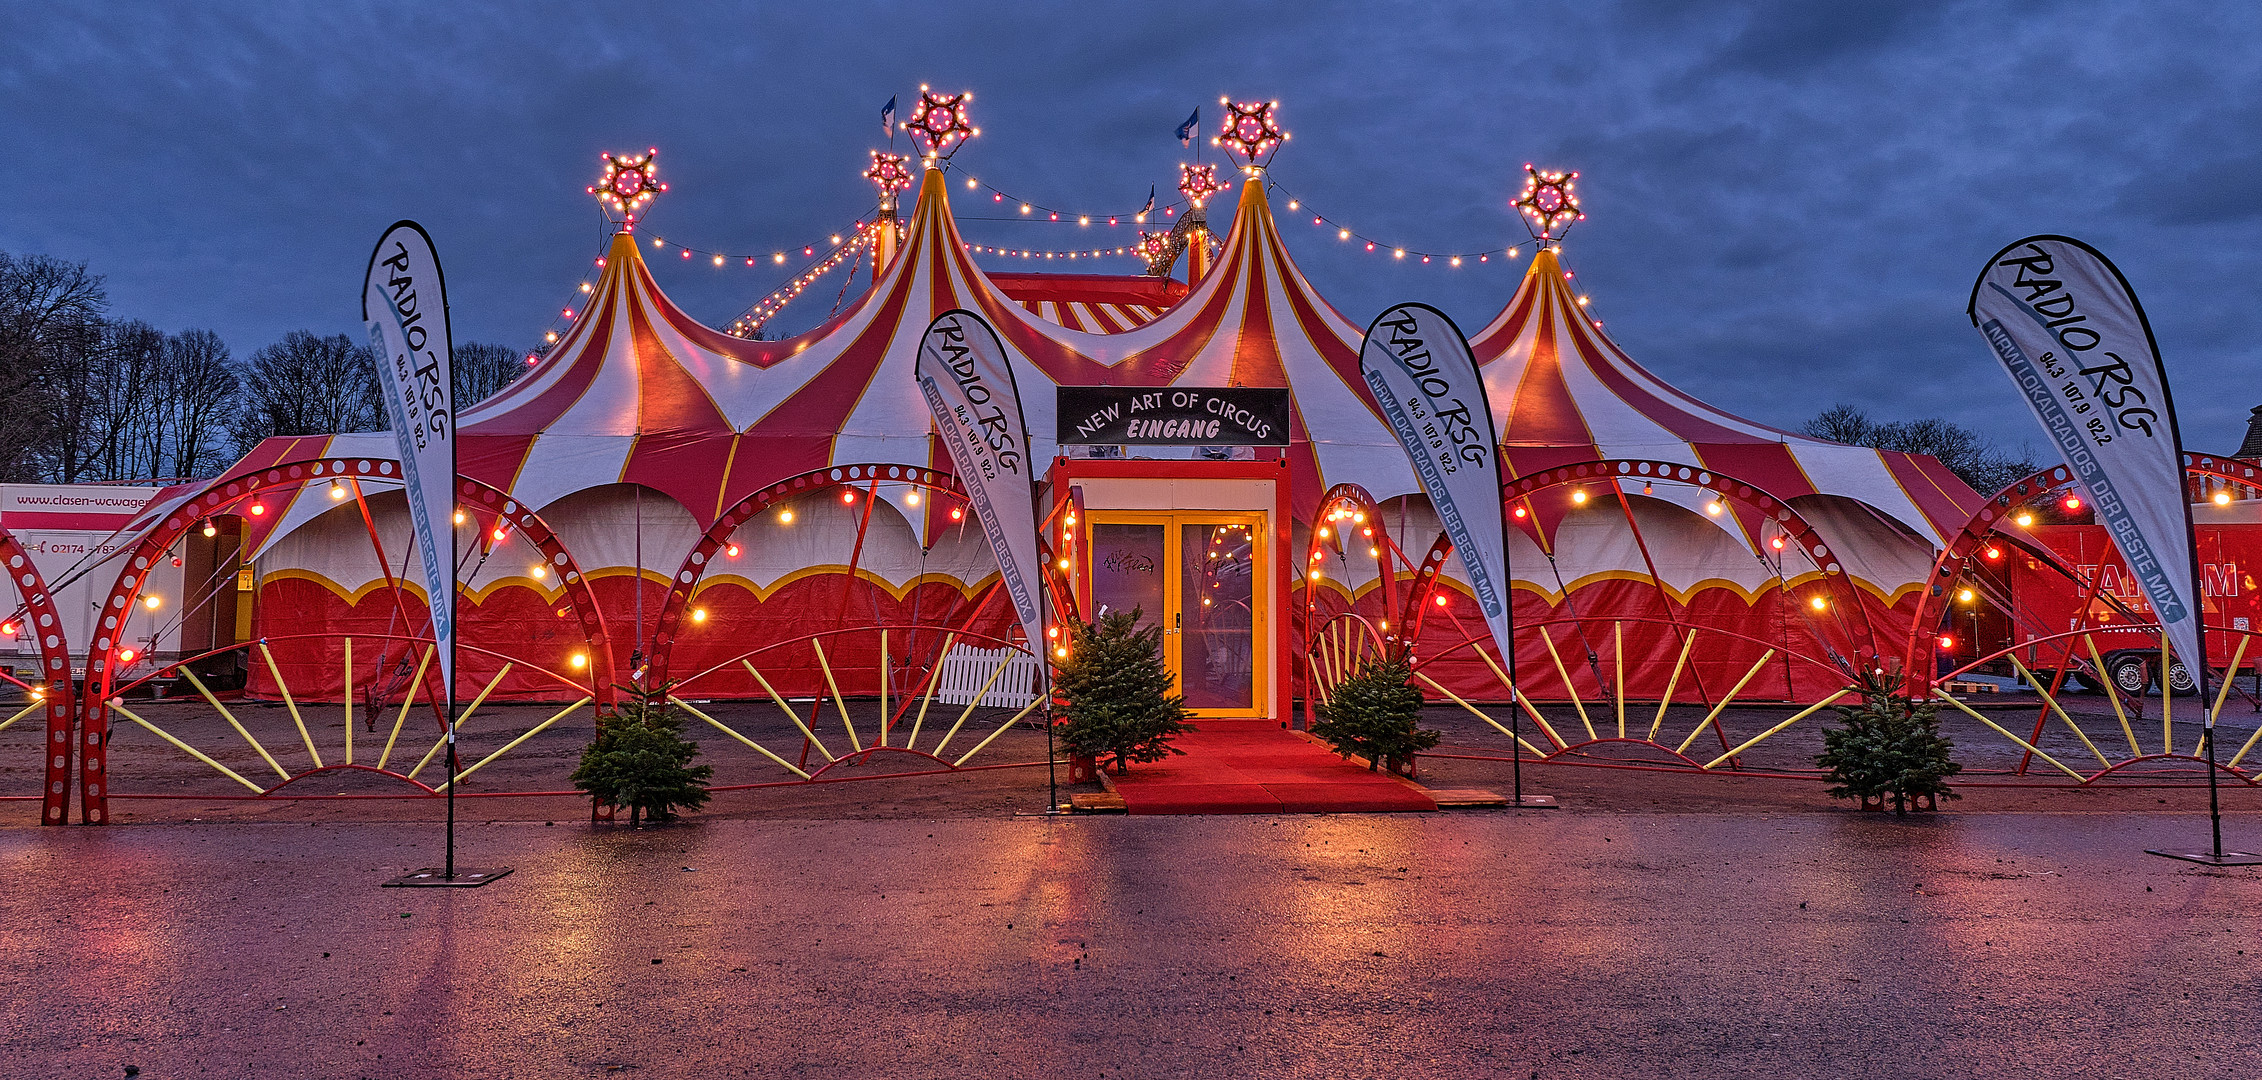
x=643 y=428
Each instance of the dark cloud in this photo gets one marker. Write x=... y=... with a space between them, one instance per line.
x=1788 y=200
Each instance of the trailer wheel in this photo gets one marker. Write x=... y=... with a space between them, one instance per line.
x=2130 y=674
x=2180 y=682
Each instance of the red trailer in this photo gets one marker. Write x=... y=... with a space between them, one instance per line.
x=2051 y=578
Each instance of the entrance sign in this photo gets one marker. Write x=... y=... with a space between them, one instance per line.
x=1173 y=416
x=405 y=305
x=1421 y=373
x=2067 y=327
x=968 y=382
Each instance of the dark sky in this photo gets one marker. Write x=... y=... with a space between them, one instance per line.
x=1788 y=201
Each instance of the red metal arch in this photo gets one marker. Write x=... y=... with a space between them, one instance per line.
x=237 y=486
x=686 y=579
x=1793 y=528
x=46 y=625
x=1956 y=555
x=1352 y=504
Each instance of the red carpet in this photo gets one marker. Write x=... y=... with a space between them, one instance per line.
x=1256 y=767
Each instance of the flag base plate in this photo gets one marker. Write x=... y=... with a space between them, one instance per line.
x=2228 y=858
x=433 y=877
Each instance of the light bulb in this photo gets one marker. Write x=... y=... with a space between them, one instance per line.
x=211 y=529
x=699 y=615
x=2024 y=519
x=911 y=498
x=730 y=551
x=539 y=571
x=337 y=490
x=580 y=660
x=2222 y=498
x=1818 y=603
x=785 y=517
x=153 y=601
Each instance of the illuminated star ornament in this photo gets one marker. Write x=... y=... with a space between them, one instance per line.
x=940 y=122
x=1198 y=183
x=890 y=173
x=1250 y=130
x=1157 y=250
x=629 y=183
x=1549 y=202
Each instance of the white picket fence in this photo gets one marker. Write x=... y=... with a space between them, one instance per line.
x=967 y=670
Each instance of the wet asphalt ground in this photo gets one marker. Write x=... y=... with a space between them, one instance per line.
x=1577 y=943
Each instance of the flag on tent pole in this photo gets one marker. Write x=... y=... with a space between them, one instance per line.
x=1186 y=130
x=1150 y=207
x=964 y=373
x=887 y=119
x=1419 y=368
x=404 y=303
x=2066 y=325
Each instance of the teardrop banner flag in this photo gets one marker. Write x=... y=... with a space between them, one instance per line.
x=968 y=382
x=1419 y=368
x=405 y=304
x=2067 y=327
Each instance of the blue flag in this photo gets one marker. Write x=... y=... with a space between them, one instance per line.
x=887 y=118
x=1186 y=130
x=1150 y=207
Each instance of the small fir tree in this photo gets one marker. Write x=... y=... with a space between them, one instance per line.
x=1374 y=714
x=639 y=759
x=1889 y=747
x=1114 y=692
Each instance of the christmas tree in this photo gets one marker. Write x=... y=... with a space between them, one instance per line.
x=639 y=759
x=1889 y=747
x=1114 y=692
x=1374 y=714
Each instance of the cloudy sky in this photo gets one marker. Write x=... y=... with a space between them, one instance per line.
x=1788 y=201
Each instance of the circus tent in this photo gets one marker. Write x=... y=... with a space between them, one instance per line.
x=643 y=430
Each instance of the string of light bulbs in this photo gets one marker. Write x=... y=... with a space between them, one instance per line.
x=1346 y=234
x=1028 y=253
x=751 y=321
x=1029 y=210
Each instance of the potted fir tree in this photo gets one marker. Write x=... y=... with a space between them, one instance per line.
x=1113 y=693
x=1888 y=749
x=639 y=759
x=1374 y=714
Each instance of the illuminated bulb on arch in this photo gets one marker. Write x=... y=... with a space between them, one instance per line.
x=1441 y=600
x=1519 y=513
x=7 y=628
x=1776 y=543
x=258 y=509
x=1818 y=603
x=1060 y=651
x=1947 y=642
x=699 y=615
x=957 y=513
x=1063 y=564
x=499 y=534
x=1579 y=497
x=730 y=551
x=2024 y=519
x=2222 y=498
x=911 y=498
x=1966 y=596
x=459 y=517
x=153 y=601
x=2073 y=502
x=211 y=529
x=1993 y=553
x=337 y=490
x=785 y=517
x=580 y=660
x=126 y=655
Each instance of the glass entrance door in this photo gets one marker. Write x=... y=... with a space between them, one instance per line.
x=1195 y=574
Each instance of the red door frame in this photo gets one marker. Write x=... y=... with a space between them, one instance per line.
x=1066 y=473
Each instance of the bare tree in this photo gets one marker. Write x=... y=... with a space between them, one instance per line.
x=201 y=391
x=50 y=326
x=306 y=384
x=1973 y=457
x=482 y=370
